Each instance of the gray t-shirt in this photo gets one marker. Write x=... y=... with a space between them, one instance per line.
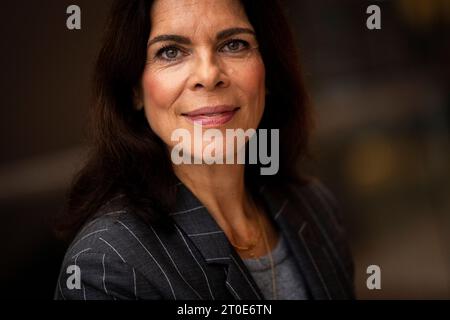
x=289 y=281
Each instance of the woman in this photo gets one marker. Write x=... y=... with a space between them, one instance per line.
x=147 y=228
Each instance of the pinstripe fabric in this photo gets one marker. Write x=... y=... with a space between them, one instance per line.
x=121 y=257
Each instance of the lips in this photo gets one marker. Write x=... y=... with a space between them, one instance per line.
x=209 y=111
x=212 y=115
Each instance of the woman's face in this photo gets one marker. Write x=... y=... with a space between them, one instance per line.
x=202 y=54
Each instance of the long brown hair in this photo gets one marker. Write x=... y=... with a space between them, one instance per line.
x=127 y=157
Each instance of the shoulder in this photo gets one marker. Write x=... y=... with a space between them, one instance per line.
x=317 y=203
x=311 y=200
x=106 y=251
x=113 y=222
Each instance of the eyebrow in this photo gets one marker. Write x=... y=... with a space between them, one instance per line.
x=185 y=40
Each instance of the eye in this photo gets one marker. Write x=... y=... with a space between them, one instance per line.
x=169 y=53
x=235 y=45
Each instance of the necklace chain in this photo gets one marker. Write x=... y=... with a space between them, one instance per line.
x=262 y=231
x=272 y=265
x=251 y=245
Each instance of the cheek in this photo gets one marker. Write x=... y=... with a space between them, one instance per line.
x=160 y=91
x=257 y=73
x=251 y=81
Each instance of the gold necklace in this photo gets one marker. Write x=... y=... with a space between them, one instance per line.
x=266 y=243
x=272 y=265
x=249 y=247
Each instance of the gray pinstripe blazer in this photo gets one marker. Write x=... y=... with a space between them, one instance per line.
x=121 y=257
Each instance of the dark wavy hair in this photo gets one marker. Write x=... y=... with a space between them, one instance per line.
x=127 y=157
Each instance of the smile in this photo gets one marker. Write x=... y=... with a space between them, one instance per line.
x=212 y=116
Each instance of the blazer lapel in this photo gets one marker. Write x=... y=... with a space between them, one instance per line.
x=293 y=219
x=293 y=216
x=200 y=227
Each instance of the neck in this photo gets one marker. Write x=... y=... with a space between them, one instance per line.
x=221 y=188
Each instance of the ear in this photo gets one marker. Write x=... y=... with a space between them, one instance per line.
x=138 y=103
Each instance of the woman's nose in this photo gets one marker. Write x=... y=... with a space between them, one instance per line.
x=207 y=73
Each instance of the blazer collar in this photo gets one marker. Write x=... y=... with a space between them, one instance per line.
x=199 y=225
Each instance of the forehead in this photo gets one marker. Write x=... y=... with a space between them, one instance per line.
x=196 y=17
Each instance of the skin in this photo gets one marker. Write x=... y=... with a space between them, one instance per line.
x=180 y=77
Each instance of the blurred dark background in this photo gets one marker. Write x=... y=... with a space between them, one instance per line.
x=382 y=100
